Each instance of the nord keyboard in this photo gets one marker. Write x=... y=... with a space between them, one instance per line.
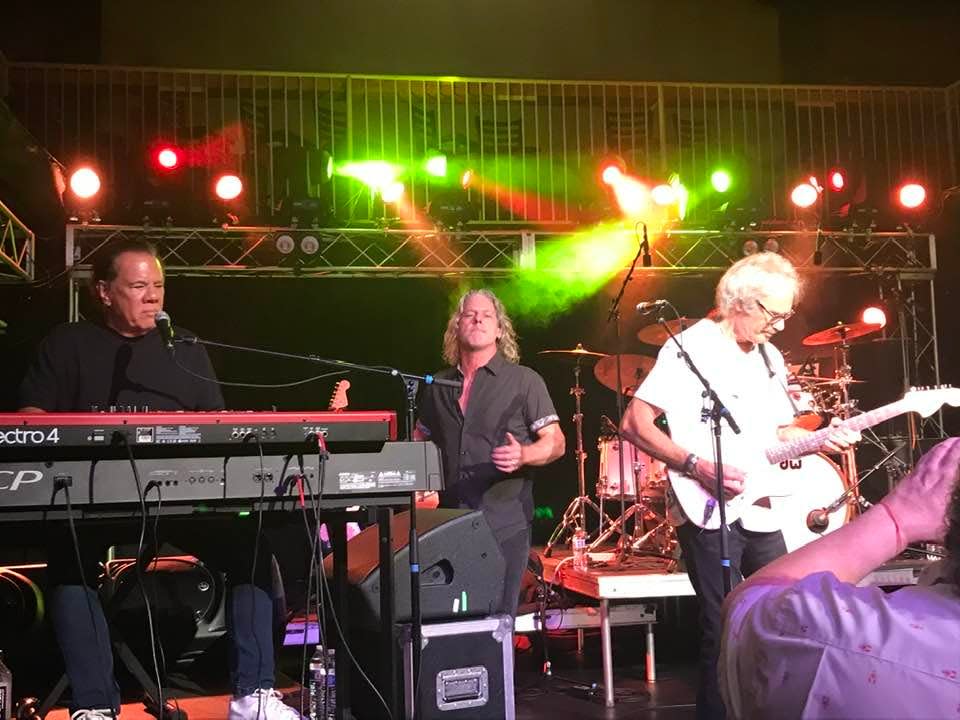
x=106 y=488
x=170 y=434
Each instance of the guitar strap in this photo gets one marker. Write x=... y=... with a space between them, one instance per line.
x=762 y=347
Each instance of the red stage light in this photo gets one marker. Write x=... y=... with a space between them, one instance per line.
x=804 y=195
x=836 y=180
x=874 y=315
x=912 y=195
x=228 y=187
x=610 y=174
x=84 y=182
x=168 y=158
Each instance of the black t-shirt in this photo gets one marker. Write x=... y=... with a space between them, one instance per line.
x=505 y=398
x=84 y=366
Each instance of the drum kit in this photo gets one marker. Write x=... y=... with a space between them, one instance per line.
x=627 y=473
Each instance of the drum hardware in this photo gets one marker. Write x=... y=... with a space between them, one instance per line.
x=632 y=367
x=575 y=515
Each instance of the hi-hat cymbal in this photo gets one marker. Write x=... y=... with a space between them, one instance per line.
x=656 y=335
x=633 y=368
x=840 y=332
x=579 y=352
x=817 y=380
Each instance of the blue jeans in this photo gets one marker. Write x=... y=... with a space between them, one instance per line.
x=81 y=628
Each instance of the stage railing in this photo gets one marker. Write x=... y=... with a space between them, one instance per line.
x=535 y=143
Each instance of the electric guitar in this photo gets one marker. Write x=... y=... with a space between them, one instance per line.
x=763 y=479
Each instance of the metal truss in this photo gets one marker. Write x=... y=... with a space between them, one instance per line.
x=18 y=247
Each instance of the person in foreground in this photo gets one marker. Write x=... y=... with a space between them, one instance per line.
x=754 y=299
x=493 y=430
x=121 y=363
x=801 y=640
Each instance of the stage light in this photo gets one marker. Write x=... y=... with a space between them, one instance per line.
x=874 y=315
x=664 y=194
x=611 y=170
x=836 y=180
x=721 y=180
x=285 y=244
x=772 y=245
x=466 y=179
x=610 y=174
x=85 y=183
x=911 y=195
x=228 y=187
x=436 y=165
x=392 y=192
x=375 y=174
x=633 y=197
x=750 y=247
x=309 y=245
x=168 y=158
x=804 y=195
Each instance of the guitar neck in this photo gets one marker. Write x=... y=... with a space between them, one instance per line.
x=814 y=441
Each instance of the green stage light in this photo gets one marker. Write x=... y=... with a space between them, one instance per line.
x=436 y=165
x=375 y=174
x=721 y=181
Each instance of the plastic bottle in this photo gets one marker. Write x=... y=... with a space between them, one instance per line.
x=6 y=689
x=318 y=685
x=579 y=545
x=331 y=692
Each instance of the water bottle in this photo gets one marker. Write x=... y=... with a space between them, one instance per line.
x=579 y=543
x=318 y=685
x=331 y=686
x=6 y=689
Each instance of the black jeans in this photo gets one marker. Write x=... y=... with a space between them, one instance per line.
x=516 y=551
x=749 y=551
x=80 y=624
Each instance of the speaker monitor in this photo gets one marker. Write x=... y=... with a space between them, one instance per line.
x=461 y=568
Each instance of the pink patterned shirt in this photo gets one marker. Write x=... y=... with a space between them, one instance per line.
x=820 y=648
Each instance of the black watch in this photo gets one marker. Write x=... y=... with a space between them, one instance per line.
x=690 y=464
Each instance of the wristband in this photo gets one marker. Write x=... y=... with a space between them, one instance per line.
x=901 y=543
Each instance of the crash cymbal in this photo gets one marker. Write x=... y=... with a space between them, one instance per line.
x=656 y=335
x=633 y=369
x=840 y=332
x=579 y=352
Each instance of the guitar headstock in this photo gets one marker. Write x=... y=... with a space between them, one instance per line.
x=338 y=398
x=927 y=400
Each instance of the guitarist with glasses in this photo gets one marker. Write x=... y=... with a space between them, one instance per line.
x=732 y=349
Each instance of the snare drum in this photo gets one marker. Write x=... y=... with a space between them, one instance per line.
x=640 y=470
x=816 y=482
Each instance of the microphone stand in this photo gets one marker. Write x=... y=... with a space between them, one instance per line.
x=718 y=412
x=613 y=316
x=411 y=383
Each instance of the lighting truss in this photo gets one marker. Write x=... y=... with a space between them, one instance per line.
x=18 y=247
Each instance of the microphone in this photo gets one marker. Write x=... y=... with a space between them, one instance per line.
x=818 y=521
x=648 y=305
x=166 y=330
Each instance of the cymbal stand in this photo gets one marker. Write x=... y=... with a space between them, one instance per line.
x=845 y=376
x=575 y=515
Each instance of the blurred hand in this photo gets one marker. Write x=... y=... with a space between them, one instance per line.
x=508 y=457
x=919 y=502
x=734 y=479
x=840 y=438
x=428 y=499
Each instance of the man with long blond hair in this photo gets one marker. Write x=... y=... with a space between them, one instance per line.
x=493 y=430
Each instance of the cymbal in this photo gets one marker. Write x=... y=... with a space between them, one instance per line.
x=656 y=335
x=579 y=352
x=840 y=332
x=633 y=368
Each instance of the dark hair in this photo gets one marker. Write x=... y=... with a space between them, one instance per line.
x=953 y=534
x=105 y=263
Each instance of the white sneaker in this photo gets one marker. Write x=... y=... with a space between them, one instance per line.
x=94 y=715
x=264 y=704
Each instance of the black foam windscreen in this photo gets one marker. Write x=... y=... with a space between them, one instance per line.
x=461 y=567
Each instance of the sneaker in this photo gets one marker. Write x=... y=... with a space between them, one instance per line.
x=264 y=704
x=94 y=715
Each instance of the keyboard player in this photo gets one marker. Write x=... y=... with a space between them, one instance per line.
x=121 y=363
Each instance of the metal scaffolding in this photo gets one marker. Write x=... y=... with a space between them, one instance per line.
x=18 y=247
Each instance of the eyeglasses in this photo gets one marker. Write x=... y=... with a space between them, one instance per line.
x=773 y=317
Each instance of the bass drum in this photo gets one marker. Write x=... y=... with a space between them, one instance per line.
x=816 y=482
